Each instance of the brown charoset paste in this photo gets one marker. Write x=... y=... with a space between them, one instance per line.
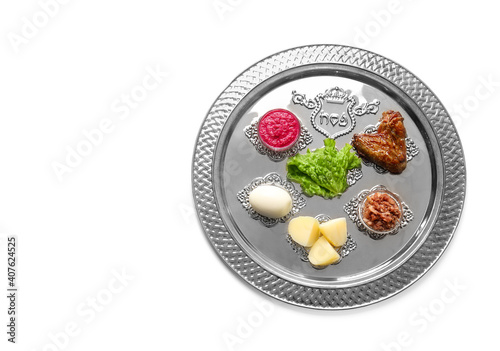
x=381 y=212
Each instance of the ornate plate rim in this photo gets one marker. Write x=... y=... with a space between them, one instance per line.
x=448 y=214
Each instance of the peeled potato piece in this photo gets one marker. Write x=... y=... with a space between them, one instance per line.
x=304 y=230
x=322 y=253
x=335 y=231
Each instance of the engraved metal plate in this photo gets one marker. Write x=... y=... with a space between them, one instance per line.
x=433 y=184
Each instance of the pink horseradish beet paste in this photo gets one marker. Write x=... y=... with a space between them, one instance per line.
x=279 y=129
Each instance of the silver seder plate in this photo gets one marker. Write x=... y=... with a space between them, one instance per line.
x=335 y=91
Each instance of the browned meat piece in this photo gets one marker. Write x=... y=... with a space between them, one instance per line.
x=387 y=147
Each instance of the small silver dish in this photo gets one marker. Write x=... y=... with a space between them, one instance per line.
x=252 y=133
x=356 y=206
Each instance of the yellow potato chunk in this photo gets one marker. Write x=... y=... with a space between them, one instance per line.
x=322 y=253
x=304 y=230
x=335 y=231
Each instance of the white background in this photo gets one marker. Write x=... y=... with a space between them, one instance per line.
x=126 y=208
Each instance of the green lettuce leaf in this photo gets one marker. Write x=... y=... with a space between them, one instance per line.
x=323 y=171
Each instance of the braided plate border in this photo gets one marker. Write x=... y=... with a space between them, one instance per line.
x=338 y=298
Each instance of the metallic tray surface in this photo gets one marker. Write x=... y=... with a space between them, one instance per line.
x=433 y=184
